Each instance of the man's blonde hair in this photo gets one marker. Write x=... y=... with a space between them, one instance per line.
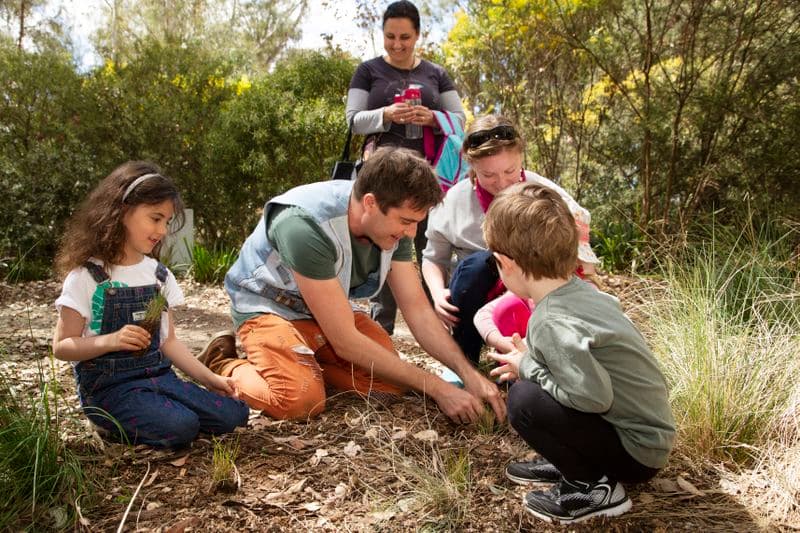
x=532 y=225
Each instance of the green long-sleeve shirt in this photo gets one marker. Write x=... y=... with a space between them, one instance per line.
x=589 y=356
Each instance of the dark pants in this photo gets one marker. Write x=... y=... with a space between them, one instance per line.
x=470 y=284
x=583 y=446
x=383 y=307
x=139 y=398
x=143 y=399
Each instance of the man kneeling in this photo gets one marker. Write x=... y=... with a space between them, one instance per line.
x=317 y=247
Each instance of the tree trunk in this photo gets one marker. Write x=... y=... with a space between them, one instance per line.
x=647 y=138
x=22 y=8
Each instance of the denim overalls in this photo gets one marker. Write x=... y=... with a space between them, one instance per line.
x=140 y=399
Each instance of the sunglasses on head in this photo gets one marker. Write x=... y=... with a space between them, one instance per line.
x=477 y=138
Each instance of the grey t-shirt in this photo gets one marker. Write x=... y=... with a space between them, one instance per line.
x=589 y=356
x=382 y=81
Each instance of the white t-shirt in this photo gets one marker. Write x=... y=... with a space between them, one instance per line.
x=81 y=292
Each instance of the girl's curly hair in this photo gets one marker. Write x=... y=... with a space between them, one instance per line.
x=96 y=229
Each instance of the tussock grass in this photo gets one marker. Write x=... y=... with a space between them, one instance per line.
x=725 y=327
x=224 y=474
x=439 y=482
x=43 y=481
x=430 y=479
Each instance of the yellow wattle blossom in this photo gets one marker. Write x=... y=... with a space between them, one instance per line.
x=109 y=69
x=180 y=81
x=242 y=84
x=216 y=81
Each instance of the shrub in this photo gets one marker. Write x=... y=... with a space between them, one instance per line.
x=618 y=245
x=285 y=131
x=209 y=265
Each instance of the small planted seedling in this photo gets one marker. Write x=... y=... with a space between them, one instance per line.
x=224 y=474
x=152 y=317
x=487 y=423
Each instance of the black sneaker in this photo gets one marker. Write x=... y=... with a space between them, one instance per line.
x=569 y=502
x=537 y=470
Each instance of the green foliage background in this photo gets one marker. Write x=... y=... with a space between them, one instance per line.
x=659 y=116
x=230 y=143
x=657 y=113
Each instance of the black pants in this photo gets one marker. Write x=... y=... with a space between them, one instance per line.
x=470 y=284
x=583 y=446
x=383 y=307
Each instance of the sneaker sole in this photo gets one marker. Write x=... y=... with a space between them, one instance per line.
x=609 y=512
x=203 y=354
x=529 y=481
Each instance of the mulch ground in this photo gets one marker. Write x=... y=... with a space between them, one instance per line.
x=360 y=466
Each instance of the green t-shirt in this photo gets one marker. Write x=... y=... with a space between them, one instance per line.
x=305 y=248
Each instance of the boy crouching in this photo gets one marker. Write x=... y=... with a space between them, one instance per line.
x=591 y=400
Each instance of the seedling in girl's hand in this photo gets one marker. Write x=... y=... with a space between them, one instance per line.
x=152 y=317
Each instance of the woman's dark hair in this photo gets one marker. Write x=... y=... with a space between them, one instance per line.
x=402 y=10
x=96 y=229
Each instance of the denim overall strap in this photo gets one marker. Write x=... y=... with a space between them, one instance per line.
x=123 y=306
x=97 y=272
x=161 y=273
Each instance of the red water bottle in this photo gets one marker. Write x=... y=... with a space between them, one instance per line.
x=413 y=96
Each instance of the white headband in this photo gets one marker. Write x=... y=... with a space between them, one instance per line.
x=136 y=183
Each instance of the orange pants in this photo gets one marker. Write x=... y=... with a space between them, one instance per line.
x=290 y=361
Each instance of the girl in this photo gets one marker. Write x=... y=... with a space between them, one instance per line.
x=493 y=148
x=499 y=319
x=123 y=372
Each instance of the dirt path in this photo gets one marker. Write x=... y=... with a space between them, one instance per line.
x=358 y=467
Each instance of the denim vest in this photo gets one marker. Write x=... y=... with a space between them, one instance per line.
x=258 y=282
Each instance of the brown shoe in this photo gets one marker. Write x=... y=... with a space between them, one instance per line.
x=220 y=347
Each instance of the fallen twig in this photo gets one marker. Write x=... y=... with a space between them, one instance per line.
x=133 y=499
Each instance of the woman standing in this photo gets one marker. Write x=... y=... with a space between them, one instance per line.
x=373 y=112
x=493 y=148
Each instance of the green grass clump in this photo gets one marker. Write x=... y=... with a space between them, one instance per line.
x=438 y=482
x=152 y=317
x=725 y=328
x=209 y=265
x=224 y=475
x=43 y=481
x=618 y=245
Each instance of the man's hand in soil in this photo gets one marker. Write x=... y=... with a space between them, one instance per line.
x=458 y=404
x=487 y=391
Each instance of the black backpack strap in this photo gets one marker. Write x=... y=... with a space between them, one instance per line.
x=161 y=273
x=96 y=271
x=346 y=149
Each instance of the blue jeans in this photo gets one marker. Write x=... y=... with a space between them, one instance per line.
x=470 y=284
x=150 y=404
x=138 y=398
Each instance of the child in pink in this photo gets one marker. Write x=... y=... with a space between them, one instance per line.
x=501 y=317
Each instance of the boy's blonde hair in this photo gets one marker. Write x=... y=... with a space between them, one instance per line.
x=532 y=225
